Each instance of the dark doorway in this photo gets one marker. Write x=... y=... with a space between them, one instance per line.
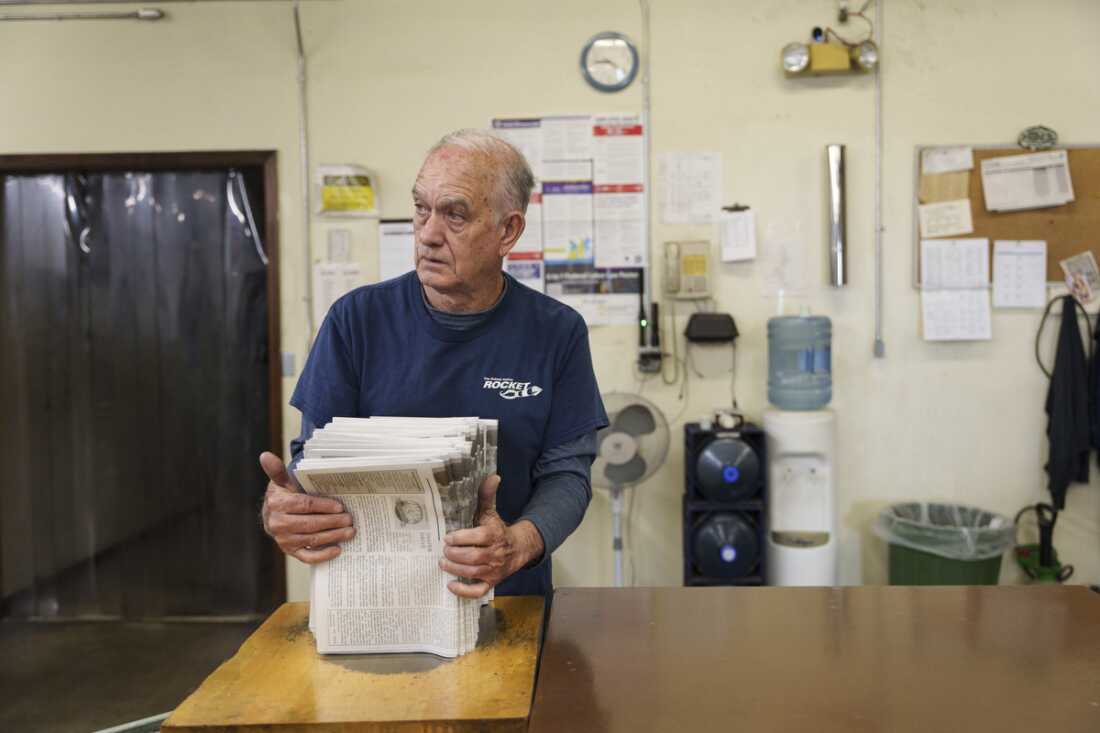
x=140 y=380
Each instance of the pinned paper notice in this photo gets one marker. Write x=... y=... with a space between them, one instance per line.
x=945 y=219
x=954 y=263
x=330 y=282
x=692 y=187
x=395 y=249
x=946 y=160
x=955 y=294
x=738 y=235
x=1019 y=274
x=956 y=315
x=1032 y=181
x=1082 y=276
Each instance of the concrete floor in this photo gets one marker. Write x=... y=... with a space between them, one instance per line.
x=81 y=676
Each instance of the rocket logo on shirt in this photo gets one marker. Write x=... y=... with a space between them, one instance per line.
x=511 y=389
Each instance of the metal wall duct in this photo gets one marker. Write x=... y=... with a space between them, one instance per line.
x=838 y=219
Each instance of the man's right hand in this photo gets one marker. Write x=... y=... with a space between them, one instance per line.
x=305 y=527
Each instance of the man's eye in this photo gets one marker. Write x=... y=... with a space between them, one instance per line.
x=456 y=217
x=420 y=209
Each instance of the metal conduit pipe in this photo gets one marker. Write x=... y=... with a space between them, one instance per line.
x=143 y=14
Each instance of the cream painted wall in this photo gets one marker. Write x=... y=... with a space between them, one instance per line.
x=959 y=422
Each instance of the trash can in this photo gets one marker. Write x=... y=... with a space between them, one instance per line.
x=944 y=544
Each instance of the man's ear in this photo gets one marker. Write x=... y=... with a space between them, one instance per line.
x=511 y=229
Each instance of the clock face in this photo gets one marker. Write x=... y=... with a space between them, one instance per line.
x=609 y=62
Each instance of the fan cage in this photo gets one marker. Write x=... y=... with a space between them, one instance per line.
x=616 y=402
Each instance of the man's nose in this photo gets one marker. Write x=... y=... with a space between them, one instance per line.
x=431 y=231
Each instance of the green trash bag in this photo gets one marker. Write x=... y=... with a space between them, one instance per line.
x=952 y=531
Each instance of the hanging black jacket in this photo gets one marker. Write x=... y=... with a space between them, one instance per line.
x=1067 y=407
x=1094 y=391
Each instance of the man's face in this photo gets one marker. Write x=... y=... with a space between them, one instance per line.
x=459 y=244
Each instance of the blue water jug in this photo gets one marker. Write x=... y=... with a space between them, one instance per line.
x=800 y=362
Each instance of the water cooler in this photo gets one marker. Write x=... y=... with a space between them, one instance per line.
x=801 y=538
x=801 y=544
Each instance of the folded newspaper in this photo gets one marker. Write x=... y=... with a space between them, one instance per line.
x=406 y=482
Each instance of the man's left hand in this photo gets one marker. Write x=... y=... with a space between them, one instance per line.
x=492 y=550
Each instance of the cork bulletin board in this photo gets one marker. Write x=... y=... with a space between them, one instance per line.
x=1068 y=229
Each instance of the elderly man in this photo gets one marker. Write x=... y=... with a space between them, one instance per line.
x=459 y=337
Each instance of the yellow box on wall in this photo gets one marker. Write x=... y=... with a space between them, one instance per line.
x=829 y=58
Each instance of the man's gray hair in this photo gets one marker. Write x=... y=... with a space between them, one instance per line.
x=514 y=177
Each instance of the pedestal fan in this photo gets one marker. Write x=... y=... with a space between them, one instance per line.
x=629 y=451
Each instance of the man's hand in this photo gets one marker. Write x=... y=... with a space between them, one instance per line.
x=306 y=527
x=492 y=550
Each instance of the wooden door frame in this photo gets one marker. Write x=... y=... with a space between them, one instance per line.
x=267 y=162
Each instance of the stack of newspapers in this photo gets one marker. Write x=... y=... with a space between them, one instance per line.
x=406 y=482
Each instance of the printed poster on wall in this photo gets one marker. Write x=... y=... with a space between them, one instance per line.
x=618 y=197
x=585 y=238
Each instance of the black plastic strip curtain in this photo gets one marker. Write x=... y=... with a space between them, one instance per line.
x=133 y=375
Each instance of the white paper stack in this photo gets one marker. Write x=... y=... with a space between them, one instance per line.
x=406 y=483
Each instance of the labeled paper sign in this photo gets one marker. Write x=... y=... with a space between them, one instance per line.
x=1032 y=181
x=947 y=159
x=945 y=219
x=331 y=281
x=345 y=190
x=738 y=235
x=956 y=315
x=1082 y=277
x=954 y=263
x=1019 y=274
x=396 y=249
x=691 y=187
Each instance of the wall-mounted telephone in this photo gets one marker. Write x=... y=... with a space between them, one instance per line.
x=687 y=269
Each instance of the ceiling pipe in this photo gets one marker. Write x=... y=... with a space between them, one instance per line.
x=143 y=14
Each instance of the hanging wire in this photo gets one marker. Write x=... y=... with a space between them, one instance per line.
x=675 y=349
x=1043 y=323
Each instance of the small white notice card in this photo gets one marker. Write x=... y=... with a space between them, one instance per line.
x=946 y=160
x=954 y=290
x=738 y=235
x=1019 y=274
x=945 y=219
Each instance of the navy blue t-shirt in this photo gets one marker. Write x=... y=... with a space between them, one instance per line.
x=379 y=352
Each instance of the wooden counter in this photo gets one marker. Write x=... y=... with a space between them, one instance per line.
x=889 y=659
x=277 y=681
